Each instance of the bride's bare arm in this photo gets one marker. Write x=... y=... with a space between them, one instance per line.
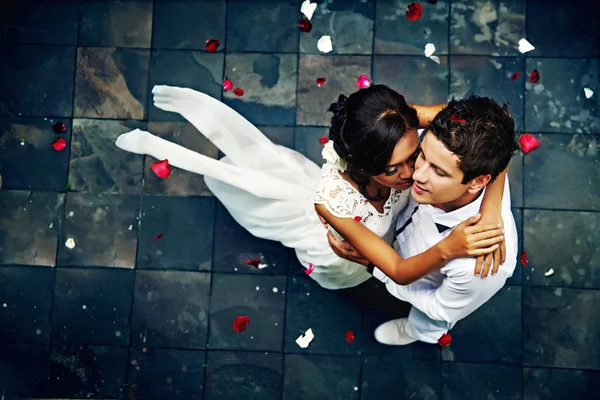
x=405 y=271
x=427 y=113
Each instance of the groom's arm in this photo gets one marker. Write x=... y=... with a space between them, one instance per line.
x=460 y=293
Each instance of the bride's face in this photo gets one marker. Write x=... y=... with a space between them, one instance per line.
x=398 y=173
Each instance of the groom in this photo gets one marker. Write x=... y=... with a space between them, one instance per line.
x=465 y=147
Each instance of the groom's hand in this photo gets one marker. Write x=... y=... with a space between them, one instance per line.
x=345 y=250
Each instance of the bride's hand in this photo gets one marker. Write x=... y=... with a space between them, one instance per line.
x=470 y=240
x=498 y=256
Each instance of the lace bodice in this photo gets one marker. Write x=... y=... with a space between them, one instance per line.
x=343 y=201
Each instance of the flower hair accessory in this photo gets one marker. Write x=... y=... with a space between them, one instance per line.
x=332 y=157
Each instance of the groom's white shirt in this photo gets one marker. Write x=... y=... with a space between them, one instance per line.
x=442 y=298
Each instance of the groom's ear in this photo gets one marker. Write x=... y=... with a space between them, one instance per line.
x=478 y=183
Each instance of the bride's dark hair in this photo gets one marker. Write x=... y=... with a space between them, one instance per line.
x=365 y=129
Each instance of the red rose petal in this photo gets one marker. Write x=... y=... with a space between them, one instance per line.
x=212 y=45
x=162 y=169
x=523 y=258
x=358 y=219
x=254 y=263
x=323 y=139
x=415 y=11
x=349 y=336
x=160 y=235
x=238 y=92
x=454 y=118
x=310 y=269
x=305 y=25
x=240 y=323
x=227 y=85
x=363 y=81
x=528 y=142
x=59 y=127
x=321 y=81
x=445 y=340
x=59 y=144
x=515 y=76
x=534 y=77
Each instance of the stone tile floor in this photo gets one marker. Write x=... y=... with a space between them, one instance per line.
x=124 y=316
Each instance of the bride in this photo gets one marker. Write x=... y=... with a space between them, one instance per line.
x=278 y=194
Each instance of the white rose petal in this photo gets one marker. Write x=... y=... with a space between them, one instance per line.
x=550 y=272
x=525 y=46
x=324 y=44
x=435 y=59
x=308 y=9
x=261 y=266
x=588 y=92
x=429 y=49
x=70 y=243
x=304 y=340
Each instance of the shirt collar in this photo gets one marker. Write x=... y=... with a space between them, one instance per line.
x=444 y=221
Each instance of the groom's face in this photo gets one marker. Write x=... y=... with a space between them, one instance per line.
x=438 y=178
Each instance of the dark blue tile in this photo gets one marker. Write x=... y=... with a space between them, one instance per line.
x=111 y=83
x=26 y=302
x=234 y=246
x=171 y=309
x=515 y=178
x=378 y=307
x=412 y=379
x=104 y=228
x=37 y=80
x=87 y=372
x=321 y=377
x=341 y=73
x=188 y=24
x=41 y=22
x=329 y=313
x=419 y=80
x=545 y=235
x=116 y=23
x=281 y=135
x=92 y=306
x=516 y=278
x=487 y=27
x=189 y=69
x=187 y=228
x=557 y=103
x=556 y=384
x=348 y=22
x=166 y=374
x=262 y=25
x=481 y=381
x=261 y=299
x=29 y=224
x=395 y=34
x=269 y=84
x=180 y=182
x=565 y=29
x=490 y=76
x=561 y=328
x=27 y=160
x=97 y=165
x=24 y=370
x=307 y=142
x=492 y=333
x=563 y=173
x=230 y=375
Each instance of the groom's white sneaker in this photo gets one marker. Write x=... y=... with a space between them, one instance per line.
x=396 y=332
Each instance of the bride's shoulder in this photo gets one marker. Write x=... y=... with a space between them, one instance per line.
x=337 y=194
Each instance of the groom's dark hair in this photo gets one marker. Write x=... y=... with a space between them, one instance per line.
x=480 y=132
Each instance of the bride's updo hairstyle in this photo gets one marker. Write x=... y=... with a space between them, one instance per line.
x=365 y=129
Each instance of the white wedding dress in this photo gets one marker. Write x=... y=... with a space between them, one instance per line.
x=269 y=189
